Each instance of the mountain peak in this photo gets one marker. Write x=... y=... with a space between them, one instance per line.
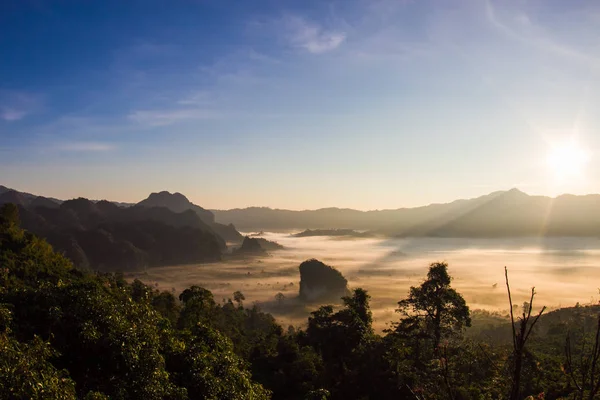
x=166 y=194
x=514 y=192
x=176 y=202
x=80 y=205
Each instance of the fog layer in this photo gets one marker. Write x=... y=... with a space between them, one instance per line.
x=563 y=270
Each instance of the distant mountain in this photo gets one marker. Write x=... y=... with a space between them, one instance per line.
x=498 y=214
x=103 y=236
x=14 y=197
x=23 y=199
x=250 y=247
x=179 y=203
x=33 y=200
x=117 y=203
x=268 y=245
x=175 y=202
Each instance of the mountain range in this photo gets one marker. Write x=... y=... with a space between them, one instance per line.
x=177 y=202
x=510 y=213
x=164 y=229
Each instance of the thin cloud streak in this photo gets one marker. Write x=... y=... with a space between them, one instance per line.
x=15 y=105
x=11 y=114
x=85 y=147
x=540 y=41
x=310 y=36
x=154 y=118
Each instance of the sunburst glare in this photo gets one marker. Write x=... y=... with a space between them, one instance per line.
x=567 y=161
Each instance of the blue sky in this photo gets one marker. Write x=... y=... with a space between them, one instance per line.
x=297 y=104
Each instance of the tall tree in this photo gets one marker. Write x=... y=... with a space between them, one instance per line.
x=434 y=310
x=9 y=214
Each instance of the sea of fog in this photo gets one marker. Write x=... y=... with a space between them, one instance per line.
x=564 y=271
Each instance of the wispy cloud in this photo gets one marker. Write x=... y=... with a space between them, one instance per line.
x=152 y=118
x=197 y=98
x=85 y=147
x=311 y=37
x=534 y=35
x=11 y=114
x=15 y=106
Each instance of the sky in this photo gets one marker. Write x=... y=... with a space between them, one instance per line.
x=366 y=104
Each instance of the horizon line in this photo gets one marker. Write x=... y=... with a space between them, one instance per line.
x=514 y=189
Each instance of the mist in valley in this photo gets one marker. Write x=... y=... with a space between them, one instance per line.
x=563 y=270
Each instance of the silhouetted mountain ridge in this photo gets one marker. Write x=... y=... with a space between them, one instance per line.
x=498 y=214
x=104 y=236
x=177 y=202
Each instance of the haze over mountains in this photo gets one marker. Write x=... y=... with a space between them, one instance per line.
x=510 y=213
x=164 y=229
x=178 y=203
x=498 y=214
x=167 y=229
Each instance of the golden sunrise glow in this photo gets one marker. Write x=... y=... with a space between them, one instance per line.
x=567 y=160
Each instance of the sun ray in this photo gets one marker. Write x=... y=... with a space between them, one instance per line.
x=566 y=161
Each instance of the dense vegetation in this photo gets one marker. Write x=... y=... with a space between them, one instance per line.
x=70 y=334
x=319 y=281
x=163 y=229
x=103 y=236
x=178 y=203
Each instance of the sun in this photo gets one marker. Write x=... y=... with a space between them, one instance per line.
x=567 y=160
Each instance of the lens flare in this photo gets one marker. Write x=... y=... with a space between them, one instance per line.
x=567 y=160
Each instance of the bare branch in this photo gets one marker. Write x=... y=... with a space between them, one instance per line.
x=534 y=322
x=569 y=364
x=512 y=318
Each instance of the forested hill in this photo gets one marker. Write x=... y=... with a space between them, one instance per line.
x=68 y=334
x=175 y=202
x=105 y=237
x=509 y=213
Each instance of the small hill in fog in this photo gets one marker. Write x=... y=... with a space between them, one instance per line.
x=250 y=247
x=319 y=281
x=268 y=245
x=332 y=232
x=256 y=246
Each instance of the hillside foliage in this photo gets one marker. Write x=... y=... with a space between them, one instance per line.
x=70 y=334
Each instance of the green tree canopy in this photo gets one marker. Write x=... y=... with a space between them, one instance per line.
x=434 y=310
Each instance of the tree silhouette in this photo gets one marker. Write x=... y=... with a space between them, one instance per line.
x=239 y=297
x=520 y=337
x=434 y=309
x=9 y=214
x=279 y=298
